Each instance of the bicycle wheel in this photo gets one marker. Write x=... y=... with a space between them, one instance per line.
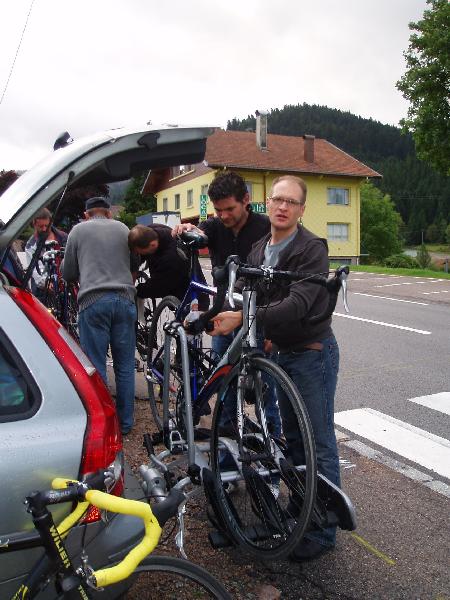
x=167 y=577
x=264 y=501
x=164 y=312
x=143 y=331
x=72 y=312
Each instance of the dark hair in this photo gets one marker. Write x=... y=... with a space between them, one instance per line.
x=227 y=184
x=140 y=236
x=44 y=213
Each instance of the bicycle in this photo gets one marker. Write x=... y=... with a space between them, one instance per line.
x=145 y=310
x=259 y=500
x=202 y=359
x=59 y=296
x=82 y=582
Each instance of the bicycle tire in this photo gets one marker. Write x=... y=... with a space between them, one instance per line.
x=270 y=507
x=165 y=311
x=143 y=331
x=194 y=574
x=71 y=323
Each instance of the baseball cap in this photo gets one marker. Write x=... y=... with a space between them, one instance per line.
x=97 y=202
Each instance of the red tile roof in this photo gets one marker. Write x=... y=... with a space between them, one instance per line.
x=238 y=149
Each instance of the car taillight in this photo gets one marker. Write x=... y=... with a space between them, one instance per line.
x=102 y=448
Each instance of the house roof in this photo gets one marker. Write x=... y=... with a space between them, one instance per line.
x=238 y=149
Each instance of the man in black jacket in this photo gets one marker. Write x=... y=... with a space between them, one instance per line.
x=233 y=231
x=236 y=227
x=169 y=270
x=308 y=353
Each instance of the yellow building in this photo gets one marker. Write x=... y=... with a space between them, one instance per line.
x=333 y=178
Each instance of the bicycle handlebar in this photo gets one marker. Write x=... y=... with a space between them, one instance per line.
x=68 y=490
x=225 y=278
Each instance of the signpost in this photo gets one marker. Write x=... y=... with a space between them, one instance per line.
x=259 y=207
x=203 y=207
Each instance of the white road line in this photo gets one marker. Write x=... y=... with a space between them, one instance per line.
x=421 y=331
x=386 y=298
x=417 y=445
x=440 y=292
x=396 y=465
x=439 y=402
x=405 y=283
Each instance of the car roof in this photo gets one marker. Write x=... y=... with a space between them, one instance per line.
x=104 y=157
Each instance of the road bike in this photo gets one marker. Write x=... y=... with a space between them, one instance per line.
x=59 y=296
x=260 y=501
x=57 y=574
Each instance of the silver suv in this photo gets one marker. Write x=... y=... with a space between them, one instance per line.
x=56 y=416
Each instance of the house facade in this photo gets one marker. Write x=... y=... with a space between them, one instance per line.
x=333 y=178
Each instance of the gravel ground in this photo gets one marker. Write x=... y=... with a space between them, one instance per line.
x=240 y=579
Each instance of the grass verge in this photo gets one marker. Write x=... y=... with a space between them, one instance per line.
x=390 y=271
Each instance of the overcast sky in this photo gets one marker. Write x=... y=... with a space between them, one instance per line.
x=89 y=65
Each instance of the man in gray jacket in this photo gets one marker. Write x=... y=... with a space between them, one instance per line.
x=97 y=255
x=308 y=353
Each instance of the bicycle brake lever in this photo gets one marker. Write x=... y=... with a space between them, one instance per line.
x=179 y=538
x=232 y=271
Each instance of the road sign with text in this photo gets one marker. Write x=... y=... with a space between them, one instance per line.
x=259 y=207
x=203 y=207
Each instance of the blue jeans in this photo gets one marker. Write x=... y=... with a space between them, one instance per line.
x=110 y=321
x=315 y=373
x=220 y=344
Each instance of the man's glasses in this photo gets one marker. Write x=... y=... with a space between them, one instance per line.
x=278 y=201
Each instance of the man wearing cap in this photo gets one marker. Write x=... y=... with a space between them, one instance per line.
x=97 y=255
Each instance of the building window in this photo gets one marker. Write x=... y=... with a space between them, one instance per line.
x=338 y=196
x=204 y=190
x=180 y=170
x=177 y=201
x=249 y=187
x=190 y=198
x=337 y=232
x=165 y=204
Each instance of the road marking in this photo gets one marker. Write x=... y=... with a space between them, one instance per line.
x=421 y=331
x=387 y=298
x=405 y=283
x=440 y=292
x=417 y=445
x=434 y=484
x=439 y=402
x=372 y=549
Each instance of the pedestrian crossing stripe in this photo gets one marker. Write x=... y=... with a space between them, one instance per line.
x=439 y=402
x=415 y=444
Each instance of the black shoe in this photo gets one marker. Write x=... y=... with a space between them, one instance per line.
x=125 y=432
x=308 y=550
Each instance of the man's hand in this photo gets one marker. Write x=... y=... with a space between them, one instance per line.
x=185 y=227
x=226 y=322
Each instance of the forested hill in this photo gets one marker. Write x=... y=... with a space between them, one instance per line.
x=421 y=195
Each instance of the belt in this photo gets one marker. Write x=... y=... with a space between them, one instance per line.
x=318 y=346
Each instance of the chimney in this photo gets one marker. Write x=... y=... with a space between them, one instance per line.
x=261 y=129
x=308 y=148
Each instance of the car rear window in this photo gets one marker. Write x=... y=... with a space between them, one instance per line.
x=18 y=397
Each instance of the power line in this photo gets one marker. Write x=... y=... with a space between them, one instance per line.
x=17 y=52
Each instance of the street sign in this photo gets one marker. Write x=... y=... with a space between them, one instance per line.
x=203 y=207
x=258 y=207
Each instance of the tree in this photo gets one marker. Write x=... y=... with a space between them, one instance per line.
x=426 y=84
x=433 y=234
x=7 y=178
x=136 y=203
x=423 y=257
x=380 y=224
